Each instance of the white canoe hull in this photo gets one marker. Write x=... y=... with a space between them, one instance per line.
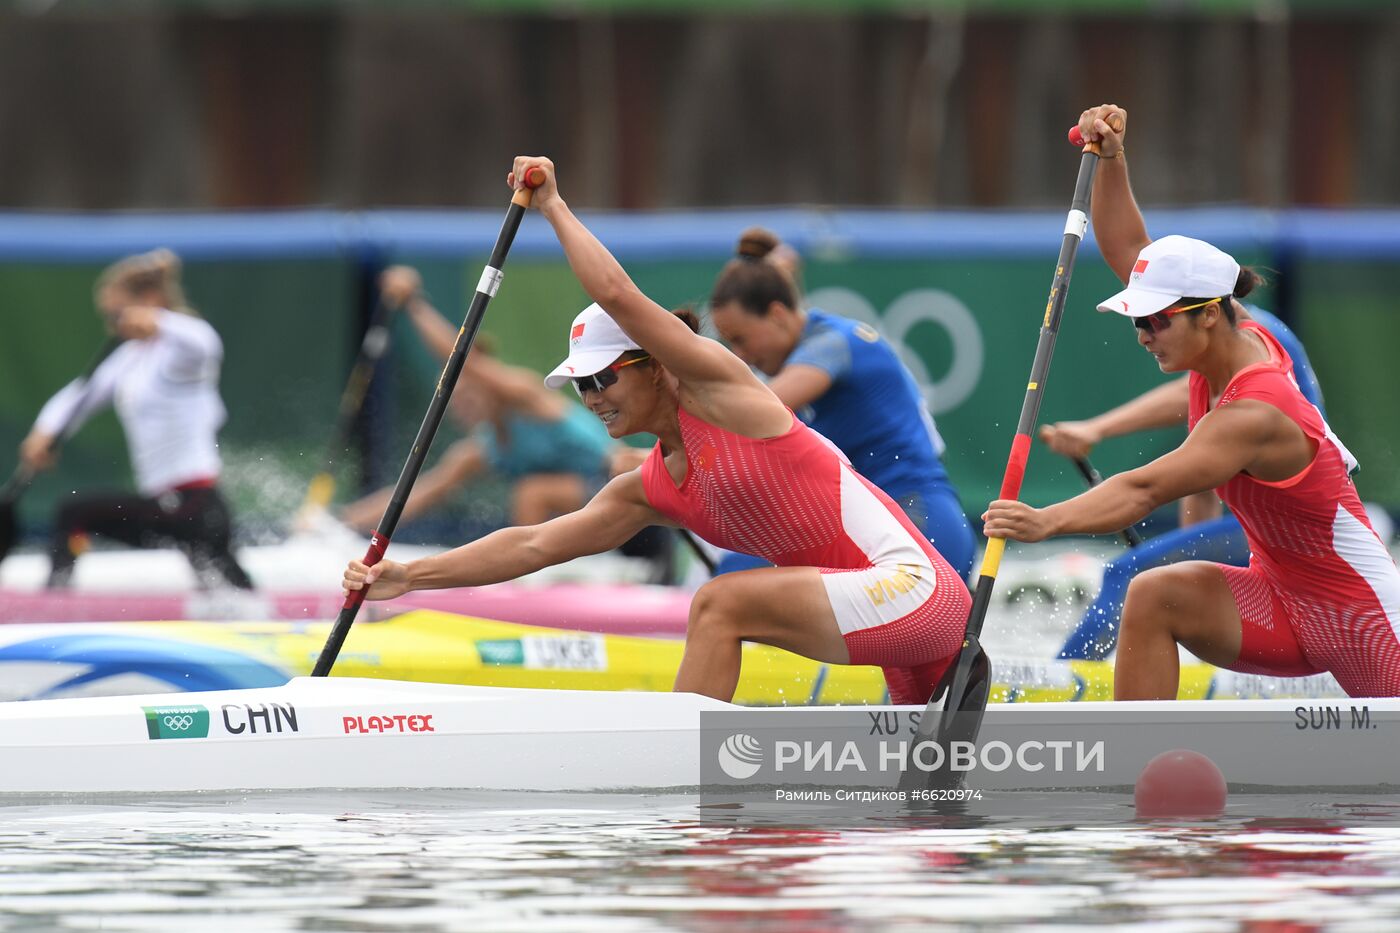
x=342 y=733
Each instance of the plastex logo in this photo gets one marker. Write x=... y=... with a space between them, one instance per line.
x=741 y=756
x=177 y=722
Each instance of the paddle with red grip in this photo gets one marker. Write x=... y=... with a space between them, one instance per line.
x=965 y=687
x=486 y=289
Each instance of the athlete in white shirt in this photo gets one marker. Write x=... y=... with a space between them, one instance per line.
x=164 y=383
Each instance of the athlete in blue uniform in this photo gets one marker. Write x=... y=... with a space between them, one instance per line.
x=846 y=382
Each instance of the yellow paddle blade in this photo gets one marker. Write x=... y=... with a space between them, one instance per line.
x=321 y=491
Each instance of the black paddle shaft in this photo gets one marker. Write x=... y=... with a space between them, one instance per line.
x=379 y=541
x=967 y=684
x=24 y=474
x=372 y=347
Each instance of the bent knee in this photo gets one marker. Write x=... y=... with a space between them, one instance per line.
x=715 y=608
x=1166 y=596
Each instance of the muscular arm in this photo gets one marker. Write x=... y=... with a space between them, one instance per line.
x=520 y=388
x=437 y=334
x=714 y=383
x=800 y=385
x=1164 y=406
x=462 y=461
x=1224 y=443
x=690 y=357
x=71 y=406
x=1119 y=229
x=613 y=516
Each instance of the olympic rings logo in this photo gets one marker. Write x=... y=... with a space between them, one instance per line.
x=178 y=723
x=911 y=310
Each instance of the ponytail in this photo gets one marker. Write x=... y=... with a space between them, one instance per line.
x=687 y=314
x=752 y=279
x=156 y=271
x=756 y=243
x=1248 y=281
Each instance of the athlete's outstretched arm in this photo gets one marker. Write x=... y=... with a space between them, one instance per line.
x=1160 y=407
x=614 y=515
x=685 y=354
x=1224 y=443
x=800 y=385
x=521 y=388
x=1119 y=228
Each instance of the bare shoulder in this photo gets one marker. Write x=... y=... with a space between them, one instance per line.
x=743 y=406
x=626 y=490
x=1243 y=419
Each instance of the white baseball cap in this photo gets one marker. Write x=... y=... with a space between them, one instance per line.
x=1170 y=269
x=595 y=341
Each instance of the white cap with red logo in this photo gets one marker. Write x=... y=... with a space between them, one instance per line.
x=595 y=341
x=1170 y=269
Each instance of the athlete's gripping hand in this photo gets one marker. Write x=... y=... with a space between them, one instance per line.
x=1072 y=439
x=1094 y=127
x=547 y=192
x=1009 y=518
x=400 y=285
x=385 y=579
x=37 y=451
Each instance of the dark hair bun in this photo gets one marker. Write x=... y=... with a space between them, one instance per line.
x=756 y=243
x=687 y=313
x=1248 y=281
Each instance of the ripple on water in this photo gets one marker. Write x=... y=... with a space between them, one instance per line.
x=448 y=862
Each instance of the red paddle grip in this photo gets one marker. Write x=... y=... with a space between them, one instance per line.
x=1076 y=138
x=378 y=544
x=1016 y=467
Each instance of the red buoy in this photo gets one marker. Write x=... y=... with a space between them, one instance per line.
x=1180 y=783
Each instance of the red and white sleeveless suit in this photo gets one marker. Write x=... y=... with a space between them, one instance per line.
x=794 y=500
x=1321 y=592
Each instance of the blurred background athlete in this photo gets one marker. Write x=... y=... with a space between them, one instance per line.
x=164 y=383
x=844 y=381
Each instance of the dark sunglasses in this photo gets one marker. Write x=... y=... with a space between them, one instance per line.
x=1156 y=323
x=602 y=378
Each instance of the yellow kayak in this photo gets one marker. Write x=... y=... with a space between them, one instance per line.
x=440 y=647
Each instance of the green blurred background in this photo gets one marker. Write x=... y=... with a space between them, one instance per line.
x=913 y=151
x=965 y=310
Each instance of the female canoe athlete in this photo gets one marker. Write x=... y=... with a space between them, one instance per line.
x=855 y=582
x=164 y=383
x=1321 y=592
x=845 y=381
x=1204 y=534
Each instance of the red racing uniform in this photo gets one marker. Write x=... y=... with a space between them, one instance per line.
x=796 y=501
x=1321 y=592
